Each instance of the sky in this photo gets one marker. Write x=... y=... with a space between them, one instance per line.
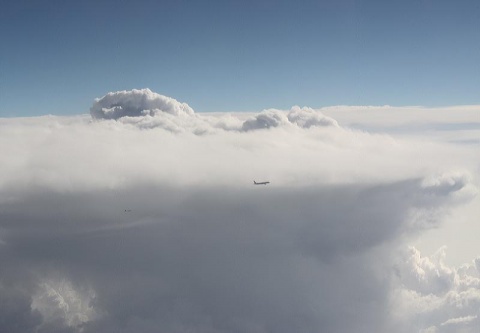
x=131 y=134
x=239 y=55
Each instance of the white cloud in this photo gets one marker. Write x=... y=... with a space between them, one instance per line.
x=149 y=221
x=302 y=117
x=307 y=117
x=438 y=297
x=146 y=109
x=457 y=124
x=136 y=103
x=460 y=320
x=61 y=305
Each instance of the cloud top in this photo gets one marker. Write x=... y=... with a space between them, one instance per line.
x=136 y=103
x=308 y=117
x=302 y=117
x=144 y=108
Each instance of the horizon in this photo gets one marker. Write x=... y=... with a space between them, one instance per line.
x=322 y=108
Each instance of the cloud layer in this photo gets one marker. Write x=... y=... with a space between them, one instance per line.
x=144 y=218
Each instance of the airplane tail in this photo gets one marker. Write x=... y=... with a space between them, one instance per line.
x=254 y=182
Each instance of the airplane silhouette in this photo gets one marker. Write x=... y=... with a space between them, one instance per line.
x=260 y=183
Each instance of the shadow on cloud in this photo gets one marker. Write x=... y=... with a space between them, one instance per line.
x=137 y=230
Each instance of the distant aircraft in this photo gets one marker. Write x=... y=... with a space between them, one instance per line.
x=128 y=210
x=260 y=183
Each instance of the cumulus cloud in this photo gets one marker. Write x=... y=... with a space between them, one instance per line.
x=266 y=119
x=136 y=103
x=307 y=117
x=302 y=117
x=145 y=219
x=434 y=296
x=146 y=109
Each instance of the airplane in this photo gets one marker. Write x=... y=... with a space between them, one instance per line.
x=260 y=183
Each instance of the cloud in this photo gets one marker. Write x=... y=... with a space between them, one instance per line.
x=307 y=117
x=438 y=297
x=146 y=109
x=266 y=119
x=302 y=117
x=136 y=103
x=145 y=219
x=61 y=305
x=456 y=124
x=15 y=307
x=261 y=261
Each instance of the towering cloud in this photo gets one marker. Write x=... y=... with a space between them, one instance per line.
x=136 y=103
x=151 y=223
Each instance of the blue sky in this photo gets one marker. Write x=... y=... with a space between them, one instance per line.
x=57 y=56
